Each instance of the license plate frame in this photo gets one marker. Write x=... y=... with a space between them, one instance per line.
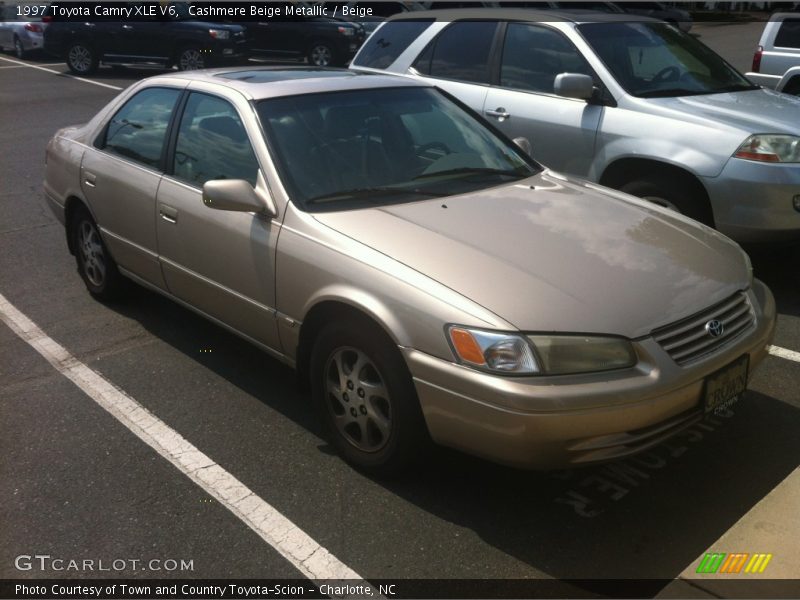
x=724 y=387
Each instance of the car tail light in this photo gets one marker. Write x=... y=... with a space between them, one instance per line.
x=47 y=19
x=33 y=27
x=757 y=59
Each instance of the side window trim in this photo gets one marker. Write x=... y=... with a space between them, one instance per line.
x=603 y=96
x=493 y=60
x=174 y=129
x=99 y=142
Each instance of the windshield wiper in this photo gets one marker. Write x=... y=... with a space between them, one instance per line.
x=473 y=171
x=374 y=192
x=737 y=87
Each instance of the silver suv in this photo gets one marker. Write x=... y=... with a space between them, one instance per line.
x=638 y=106
x=776 y=62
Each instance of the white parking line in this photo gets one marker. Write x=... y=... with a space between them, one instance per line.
x=27 y=65
x=784 y=353
x=24 y=64
x=311 y=559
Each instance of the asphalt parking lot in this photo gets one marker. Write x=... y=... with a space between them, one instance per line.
x=77 y=484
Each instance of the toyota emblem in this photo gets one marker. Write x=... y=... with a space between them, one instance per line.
x=714 y=328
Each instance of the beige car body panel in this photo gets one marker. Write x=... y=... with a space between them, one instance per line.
x=534 y=266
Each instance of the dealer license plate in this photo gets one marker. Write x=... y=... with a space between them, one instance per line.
x=724 y=387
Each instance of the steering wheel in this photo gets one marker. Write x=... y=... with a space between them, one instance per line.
x=431 y=145
x=669 y=73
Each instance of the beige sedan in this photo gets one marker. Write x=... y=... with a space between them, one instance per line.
x=427 y=277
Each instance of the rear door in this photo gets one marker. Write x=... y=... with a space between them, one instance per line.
x=562 y=131
x=120 y=176
x=459 y=60
x=221 y=262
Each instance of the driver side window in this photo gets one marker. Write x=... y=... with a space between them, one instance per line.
x=534 y=55
x=212 y=143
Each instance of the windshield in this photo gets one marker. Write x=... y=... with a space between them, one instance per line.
x=344 y=149
x=654 y=60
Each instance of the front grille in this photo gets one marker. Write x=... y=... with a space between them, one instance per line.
x=688 y=340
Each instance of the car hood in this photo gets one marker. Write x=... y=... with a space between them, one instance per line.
x=754 y=111
x=555 y=255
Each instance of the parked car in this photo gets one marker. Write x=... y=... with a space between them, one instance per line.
x=658 y=10
x=322 y=41
x=413 y=264
x=637 y=106
x=176 y=39
x=20 y=33
x=776 y=62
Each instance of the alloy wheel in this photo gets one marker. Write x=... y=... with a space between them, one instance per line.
x=321 y=56
x=92 y=253
x=191 y=60
x=80 y=58
x=358 y=399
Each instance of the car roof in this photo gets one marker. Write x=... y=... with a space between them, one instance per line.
x=576 y=16
x=260 y=83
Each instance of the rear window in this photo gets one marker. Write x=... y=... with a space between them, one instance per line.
x=789 y=34
x=389 y=42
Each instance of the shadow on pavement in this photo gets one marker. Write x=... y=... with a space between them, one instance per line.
x=646 y=517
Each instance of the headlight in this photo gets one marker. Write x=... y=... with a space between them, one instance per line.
x=509 y=353
x=562 y=354
x=766 y=147
x=348 y=31
x=219 y=34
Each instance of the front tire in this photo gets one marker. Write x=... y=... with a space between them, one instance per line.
x=82 y=59
x=95 y=265
x=673 y=194
x=365 y=397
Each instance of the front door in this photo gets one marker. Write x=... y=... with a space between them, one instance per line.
x=221 y=262
x=562 y=131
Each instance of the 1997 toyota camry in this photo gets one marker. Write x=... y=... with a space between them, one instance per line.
x=427 y=277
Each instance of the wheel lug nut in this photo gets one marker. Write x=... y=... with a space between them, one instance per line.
x=360 y=392
x=349 y=385
x=353 y=411
x=346 y=397
x=363 y=409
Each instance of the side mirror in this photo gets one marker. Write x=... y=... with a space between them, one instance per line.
x=524 y=144
x=574 y=85
x=236 y=195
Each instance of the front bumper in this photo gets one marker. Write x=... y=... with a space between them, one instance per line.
x=550 y=422
x=752 y=201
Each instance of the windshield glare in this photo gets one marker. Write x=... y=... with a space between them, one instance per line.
x=383 y=146
x=656 y=60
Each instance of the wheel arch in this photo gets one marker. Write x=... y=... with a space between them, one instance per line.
x=790 y=81
x=626 y=170
x=71 y=206
x=331 y=308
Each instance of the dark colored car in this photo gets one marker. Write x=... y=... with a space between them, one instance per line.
x=166 y=34
x=368 y=14
x=323 y=41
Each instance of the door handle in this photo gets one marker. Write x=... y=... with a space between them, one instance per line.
x=90 y=179
x=500 y=113
x=127 y=26
x=169 y=214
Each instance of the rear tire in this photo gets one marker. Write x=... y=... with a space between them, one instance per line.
x=82 y=59
x=321 y=54
x=95 y=265
x=674 y=194
x=793 y=87
x=192 y=59
x=19 y=49
x=365 y=397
